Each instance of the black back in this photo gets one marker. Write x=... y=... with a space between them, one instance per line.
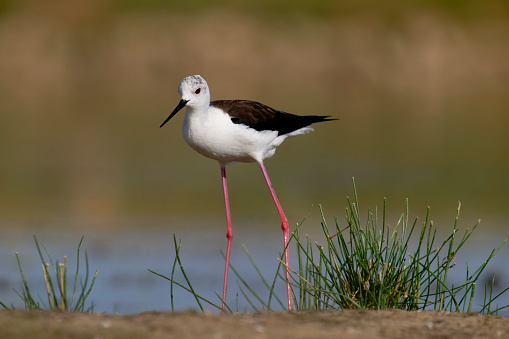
x=264 y=118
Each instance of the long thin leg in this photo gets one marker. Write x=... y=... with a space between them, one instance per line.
x=229 y=232
x=285 y=225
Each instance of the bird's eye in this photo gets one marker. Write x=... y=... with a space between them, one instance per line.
x=198 y=91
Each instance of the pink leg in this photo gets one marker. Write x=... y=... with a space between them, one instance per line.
x=229 y=232
x=285 y=225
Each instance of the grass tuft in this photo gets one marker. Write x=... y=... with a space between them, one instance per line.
x=57 y=288
x=371 y=265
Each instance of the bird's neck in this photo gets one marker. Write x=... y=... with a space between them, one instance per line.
x=198 y=109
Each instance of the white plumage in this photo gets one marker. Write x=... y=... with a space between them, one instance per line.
x=210 y=131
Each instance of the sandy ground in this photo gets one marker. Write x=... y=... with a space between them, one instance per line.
x=339 y=324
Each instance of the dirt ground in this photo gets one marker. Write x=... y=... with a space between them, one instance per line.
x=339 y=324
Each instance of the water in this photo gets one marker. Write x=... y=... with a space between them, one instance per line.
x=124 y=284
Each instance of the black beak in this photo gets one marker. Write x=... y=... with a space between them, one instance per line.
x=181 y=105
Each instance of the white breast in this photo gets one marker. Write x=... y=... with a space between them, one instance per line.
x=214 y=135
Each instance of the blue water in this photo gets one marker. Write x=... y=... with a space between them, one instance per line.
x=124 y=284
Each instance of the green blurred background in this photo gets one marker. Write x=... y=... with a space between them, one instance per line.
x=421 y=89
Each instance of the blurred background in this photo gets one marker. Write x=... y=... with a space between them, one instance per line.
x=421 y=90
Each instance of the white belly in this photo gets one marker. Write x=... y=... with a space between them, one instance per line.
x=217 y=137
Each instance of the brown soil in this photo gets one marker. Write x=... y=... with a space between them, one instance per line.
x=346 y=324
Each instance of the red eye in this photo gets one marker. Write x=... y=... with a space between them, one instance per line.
x=197 y=91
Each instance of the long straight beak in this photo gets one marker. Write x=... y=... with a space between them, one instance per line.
x=181 y=105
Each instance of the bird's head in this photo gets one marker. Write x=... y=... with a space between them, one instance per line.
x=194 y=92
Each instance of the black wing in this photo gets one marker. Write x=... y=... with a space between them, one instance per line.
x=264 y=118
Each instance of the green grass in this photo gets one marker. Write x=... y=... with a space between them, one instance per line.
x=57 y=288
x=370 y=265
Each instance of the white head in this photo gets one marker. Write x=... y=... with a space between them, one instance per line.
x=194 y=92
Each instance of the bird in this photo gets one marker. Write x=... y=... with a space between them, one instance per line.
x=238 y=131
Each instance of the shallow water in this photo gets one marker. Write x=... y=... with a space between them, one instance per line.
x=124 y=284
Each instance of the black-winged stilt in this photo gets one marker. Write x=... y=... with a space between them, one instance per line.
x=242 y=131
